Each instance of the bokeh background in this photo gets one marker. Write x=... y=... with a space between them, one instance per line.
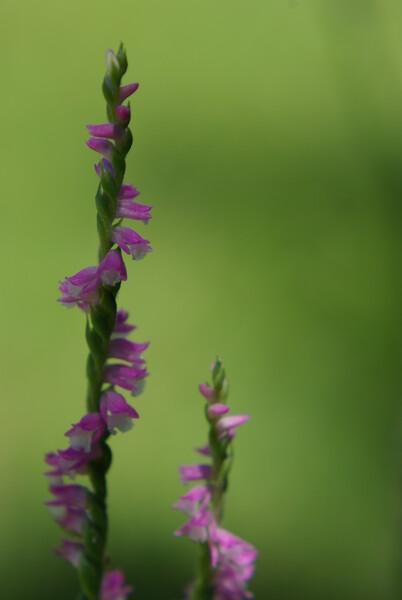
x=268 y=137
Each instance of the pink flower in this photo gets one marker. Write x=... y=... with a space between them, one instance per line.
x=217 y=410
x=108 y=131
x=87 y=432
x=130 y=242
x=126 y=349
x=132 y=210
x=106 y=165
x=82 y=289
x=113 y=586
x=123 y=114
x=126 y=91
x=121 y=326
x=102 y=146
x=116 y=412
x=195 y=472
x=128 y=192
x=70 y=462
x=128 y=378
x=206 y=391
x=227 y=425
x=72 y=552
x=74 y=496
x=233 y=560
x=112 y=269
x=70 y=519
x=197 y=527
x=196 y=500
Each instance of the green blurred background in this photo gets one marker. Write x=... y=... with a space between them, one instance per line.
x=268 y=137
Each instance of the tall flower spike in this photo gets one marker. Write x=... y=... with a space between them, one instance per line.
x=226 y=562
x=81 y=509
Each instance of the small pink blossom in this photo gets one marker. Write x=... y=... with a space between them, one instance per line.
x=130 y=242
x=87 y=432
x=116 y=412
x=113 y=586
x=195 y=472
x=72 y=552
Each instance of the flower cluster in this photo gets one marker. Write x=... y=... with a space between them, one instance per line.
x=83 y=288
x=70 y=504
x=115 y=363
x=230 y=563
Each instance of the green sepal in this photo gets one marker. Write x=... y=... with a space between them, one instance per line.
x=98 y=481
x=219 y=381
x=104 y=240
x=108 y=303
x=92 y=371
x=125 y=144
x=104 y=205
x=203 y=588
x=100 y=321
x=103 y=463
x=108 y=183
x=95 y=343
x=217 y=368
x=98 y=516
x=94 y=539
x=122 y=58
x=119 y=164
x=90 y=578
x=110 y=89
x=224 y=473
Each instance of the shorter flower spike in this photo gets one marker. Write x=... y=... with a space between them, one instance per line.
x=227 y=562
x=113 y=586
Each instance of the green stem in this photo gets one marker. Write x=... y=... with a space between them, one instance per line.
x=203 y=588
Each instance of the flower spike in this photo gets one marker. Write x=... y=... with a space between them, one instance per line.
x=226 y=562
x=80 y=510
